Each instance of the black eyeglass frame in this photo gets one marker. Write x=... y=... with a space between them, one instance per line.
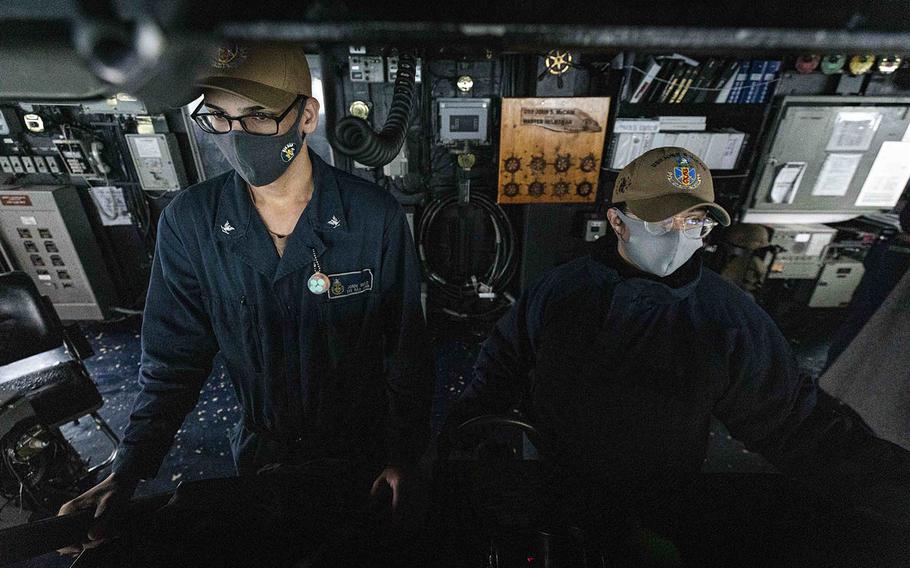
x=198 y=118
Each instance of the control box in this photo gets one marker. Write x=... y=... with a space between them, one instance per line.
x=45 y=232
x=464 y=120
x=158 y=168
x=366 y=68
x=392 y=69
x=800 y=250
x=836 y=284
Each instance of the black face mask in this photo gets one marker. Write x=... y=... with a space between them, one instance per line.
x=260 y=160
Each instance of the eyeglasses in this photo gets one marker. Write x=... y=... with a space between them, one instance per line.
x=692 y=226
x=258 y=123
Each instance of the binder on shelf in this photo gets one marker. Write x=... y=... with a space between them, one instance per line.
x=628 y=61
x=742 y=74
x=660 y=81
x=756 y=77
x=732 y=150
x=719 y=150
x=646 y=81
x=725 y=82
x=636 y=125
x=686 y=82
x=696 y=90
x=684 y=123
x=621 y=150
x=679 y=70
x=715 y=153
x=683 y=85
x=767 y=86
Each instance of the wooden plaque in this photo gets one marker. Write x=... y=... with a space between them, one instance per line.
x=550 y=149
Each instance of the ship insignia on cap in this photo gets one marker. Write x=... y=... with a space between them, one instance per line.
x=229 y=57
x=683 y=175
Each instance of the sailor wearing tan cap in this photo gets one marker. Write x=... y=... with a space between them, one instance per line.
x=621 y=358
x=306 y=280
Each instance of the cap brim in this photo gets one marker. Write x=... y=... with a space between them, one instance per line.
x=659 y=208
x=268 y=97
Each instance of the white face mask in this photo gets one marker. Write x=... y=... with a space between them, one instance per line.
x=660 y=255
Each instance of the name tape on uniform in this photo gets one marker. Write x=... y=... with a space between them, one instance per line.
x=350 y=283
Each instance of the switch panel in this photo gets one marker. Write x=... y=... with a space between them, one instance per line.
x=366 y=69
x=45 y=232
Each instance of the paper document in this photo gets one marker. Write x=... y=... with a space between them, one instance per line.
x=836 y=175
x=786 y=183
x=853 y=131
x=888 y=177
x=817 y=243
x=635 y=125
x=147 y=147
x=111 y=206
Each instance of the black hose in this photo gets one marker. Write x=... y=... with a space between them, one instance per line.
x=354 y=137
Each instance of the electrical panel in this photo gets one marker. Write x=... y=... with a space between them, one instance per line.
x=464 y=120
x=392 y=69
x=550 y=149
x=800 y=250
x=836 y=284
x=830 y=158
x=45 y=232
x=366 y=68
x=29 y=164
x=159 y=169
x=75 y=156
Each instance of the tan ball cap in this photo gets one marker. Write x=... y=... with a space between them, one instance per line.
x=664 y=182
x=271 y=75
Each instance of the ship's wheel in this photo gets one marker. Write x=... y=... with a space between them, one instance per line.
x=557 y=62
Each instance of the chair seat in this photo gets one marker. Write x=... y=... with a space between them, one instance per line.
x=58 y=394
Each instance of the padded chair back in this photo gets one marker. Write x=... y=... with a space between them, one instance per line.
x=28 y=325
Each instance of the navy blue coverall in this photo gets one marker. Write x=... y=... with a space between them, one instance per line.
x=347 y=374
x=621 y=372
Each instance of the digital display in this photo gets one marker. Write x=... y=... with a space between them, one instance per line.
x=464 y=123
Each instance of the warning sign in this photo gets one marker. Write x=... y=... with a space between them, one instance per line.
x=16 y=200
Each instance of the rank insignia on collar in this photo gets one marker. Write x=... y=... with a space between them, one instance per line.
x=684 y=175
x=334 y=222
x=227 y=228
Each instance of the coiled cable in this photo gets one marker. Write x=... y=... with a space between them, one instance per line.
x=496 y=276
x=354 y=137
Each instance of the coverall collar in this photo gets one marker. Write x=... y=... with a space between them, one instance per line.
x=608 y=265
x=238 y=224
